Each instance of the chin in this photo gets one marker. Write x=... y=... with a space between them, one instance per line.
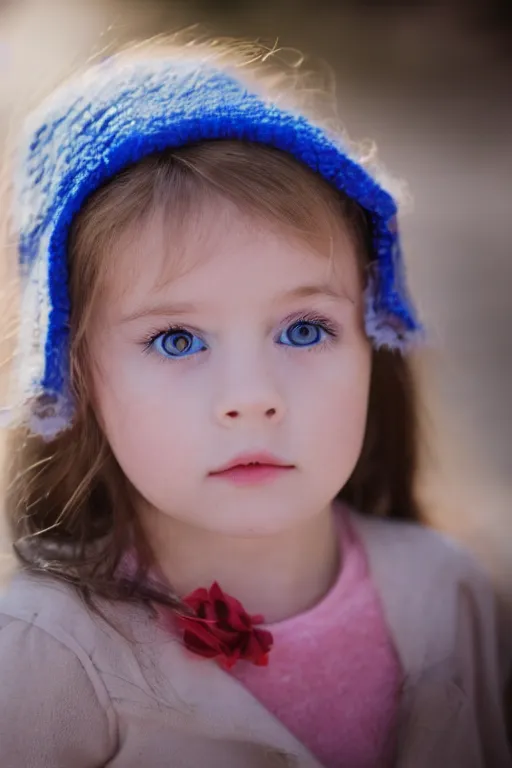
x=260 y=518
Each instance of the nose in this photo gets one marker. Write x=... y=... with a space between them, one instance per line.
x=248 y=394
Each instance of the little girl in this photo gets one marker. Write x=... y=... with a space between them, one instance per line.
x=216 y=413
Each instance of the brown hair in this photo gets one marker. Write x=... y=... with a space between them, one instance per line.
x=68 y=504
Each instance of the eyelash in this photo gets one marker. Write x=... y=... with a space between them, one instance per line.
x=330 y=328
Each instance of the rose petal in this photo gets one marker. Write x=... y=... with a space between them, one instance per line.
x=215 y=592
x=228 y=661
x=252 y=651
x=240 y=621
x=224 y=641
x=232 y=610
x=222 y=629
x=222 y=614
x=265 y=639
x=183 y=617
x=203 y=636
x=197 y=597
x=194 y=644
x=209 y=612
x=228 y=638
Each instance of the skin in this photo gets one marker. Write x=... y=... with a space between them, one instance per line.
x=238 y=290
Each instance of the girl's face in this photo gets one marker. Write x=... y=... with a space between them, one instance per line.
x=256 y=345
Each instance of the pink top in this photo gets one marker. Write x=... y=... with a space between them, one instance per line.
x=334 y=677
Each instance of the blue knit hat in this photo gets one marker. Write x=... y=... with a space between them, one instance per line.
x=115 y=114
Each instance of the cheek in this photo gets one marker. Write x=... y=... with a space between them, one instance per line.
x=147 y=420
x=158 y=455
x=333 y=408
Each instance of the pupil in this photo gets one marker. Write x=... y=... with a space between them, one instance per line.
x=176 y=343
x=304 y=333
x=181 y=343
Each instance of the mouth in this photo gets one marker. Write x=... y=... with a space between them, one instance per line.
x=253 y=469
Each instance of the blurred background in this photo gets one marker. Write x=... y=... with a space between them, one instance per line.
x=430 y=83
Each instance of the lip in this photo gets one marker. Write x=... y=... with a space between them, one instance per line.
x=260 y=458
x=252 y=469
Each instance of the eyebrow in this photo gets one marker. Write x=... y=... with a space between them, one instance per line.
x=311 y=291
x=161 y=310
x=187 y=308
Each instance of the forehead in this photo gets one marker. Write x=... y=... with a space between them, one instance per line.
x=216 y=251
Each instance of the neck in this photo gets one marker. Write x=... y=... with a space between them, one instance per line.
x=278 y=575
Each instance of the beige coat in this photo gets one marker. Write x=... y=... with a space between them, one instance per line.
x=78 y=693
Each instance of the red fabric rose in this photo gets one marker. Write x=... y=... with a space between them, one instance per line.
x=219 y=628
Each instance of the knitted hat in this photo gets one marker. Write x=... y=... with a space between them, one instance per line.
x=115 y=114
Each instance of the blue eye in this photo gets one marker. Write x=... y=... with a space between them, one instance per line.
x=178 y=343
x=303 y=334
